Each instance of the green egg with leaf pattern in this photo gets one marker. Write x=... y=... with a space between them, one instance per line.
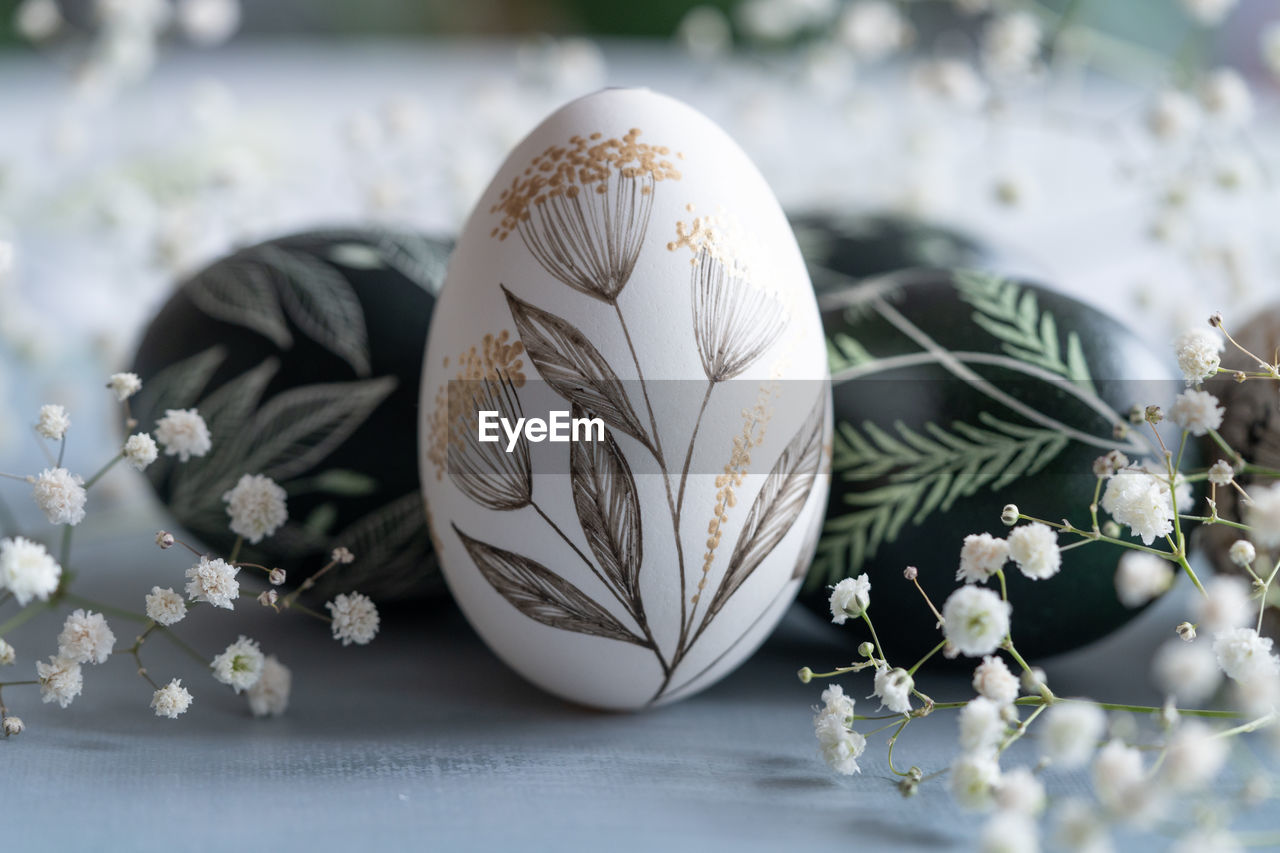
x=956 y=393
x=303 y=355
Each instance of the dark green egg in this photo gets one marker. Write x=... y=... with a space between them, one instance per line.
x=304 y=356
x=956 y=393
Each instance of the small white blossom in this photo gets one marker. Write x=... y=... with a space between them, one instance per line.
x=54 y=422
x=208 y=22
x=1139 y=500
x=1009 y=832
x=27 y=570
x=140 y=451
x=1141 y=577
x=172 y=700
x=1209 y=12
x=1197 y=412
x=893 y=686
x=841 y=746
x=1034 y=547
x=1194 y=756
x=1203 y=840
x=1262 y=513
x=1221 y=473
x=1011 y=44
x=60 y=680
x=850 y=598
x=1259 y=694
x=1188 y=671
x=240 y=665
x=872 y=30
x=60 y=496
x=213 y=581
x=1225 y=97
x=7 y=653
x=1172 y=116
x=37 y=20
x=86 y=638
x=1009 y=515
x=1077 y=827
x=269 y=697
x=124 y=385
x=1242 y=553
x=13 y=726
x=1199 y=354
x=981 y=725
x=256 y=506
x=342 y=556
x=1071 y=731
x=975 y=620
x=981 y=557
x=183 y=433
x=1108 y=465
x=1117 y=775
x=165 y=607
x=993 y=680
x=952 y=81
x=1243 y=655
x=974 y=777
x=1020 y=791
x=1225 y=605
x=355 y=618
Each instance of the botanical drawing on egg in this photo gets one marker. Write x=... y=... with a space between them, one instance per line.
x=583 y=212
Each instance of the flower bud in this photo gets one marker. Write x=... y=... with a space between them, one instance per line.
x=908 y=787
x=1009 y=516
x=268 y=598
x=866 y=650
x=1111 y=530
x=1154 y=415
x=1215 y=319
x=911 y=573
x=1034 y=681
x=7 y=654
x=1242 y=553
x=342 y=556
x=13 y=726
x=164 y=540
x=276 y=577
x=1186 y=631
x=805 y=675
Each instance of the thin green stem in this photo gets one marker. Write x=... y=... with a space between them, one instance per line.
x=872 y=628
x=928 y=655
x=64 y=549
x=1213 y=519
x=103 y=470
x=893 y=739
x=24 y=616
x=1022 y=728
x=235 y=549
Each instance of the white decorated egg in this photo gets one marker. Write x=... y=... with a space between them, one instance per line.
x=625 y=406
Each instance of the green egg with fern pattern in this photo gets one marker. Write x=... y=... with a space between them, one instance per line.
x=304 y=355
x=956 y=393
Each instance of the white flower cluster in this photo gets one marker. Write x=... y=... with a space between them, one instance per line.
x=850 y=598
x=27 y=570
x=256 y=506
x=841 y=745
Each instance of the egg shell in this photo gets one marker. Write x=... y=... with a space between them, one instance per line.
x=304 y=356
x=630 y=262
x=923 y=457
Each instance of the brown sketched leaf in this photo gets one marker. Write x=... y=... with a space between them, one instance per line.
x=542 y=595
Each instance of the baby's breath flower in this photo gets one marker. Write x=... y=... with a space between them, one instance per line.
x=1118 y=775
x=172 y=700
x=183 y=433
x=269 y=697
x=124 y=385
x=164 y=539
x=165 y=607
x=981 y=557
x=1138 y=499
x=1186 y=631
x=993 y=680
x=342 y=556
x=1173 y=116
x=54 y=422
x=1199 y=353
x=850 y=598
x=841 y=746
x=1009 y=832
x=355 y=618
x=213 y=581
x=1204 y=839
x=1077 y=826
x=1034 y=547
x=86 y=638
x=1242 y=553
x=208 y=22
x=27 y=570
x=256 y=506
x=1011 y=44
x=1034 y=679
x=1194 y=756
x=7 y=653
x=1141 y=577
x=1262 y=514
x=975 y=620
x=60 y=680
x=1020 y=791
x=981 y=725
x=276 y=576
x=1225 y=605
x=1225 y=97
x=140 y=451
x=893 y=686
x=974 y=777
x=1108 y=465
x=268 y=598
x=872 y=30
x=1221 y=473
x=1197 y=412
x=13 y=726
x=240 y=665
x=1071 y=731
x=1188 y=671
x=1243 y=655
x=1009 y=515
x=60 y=496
